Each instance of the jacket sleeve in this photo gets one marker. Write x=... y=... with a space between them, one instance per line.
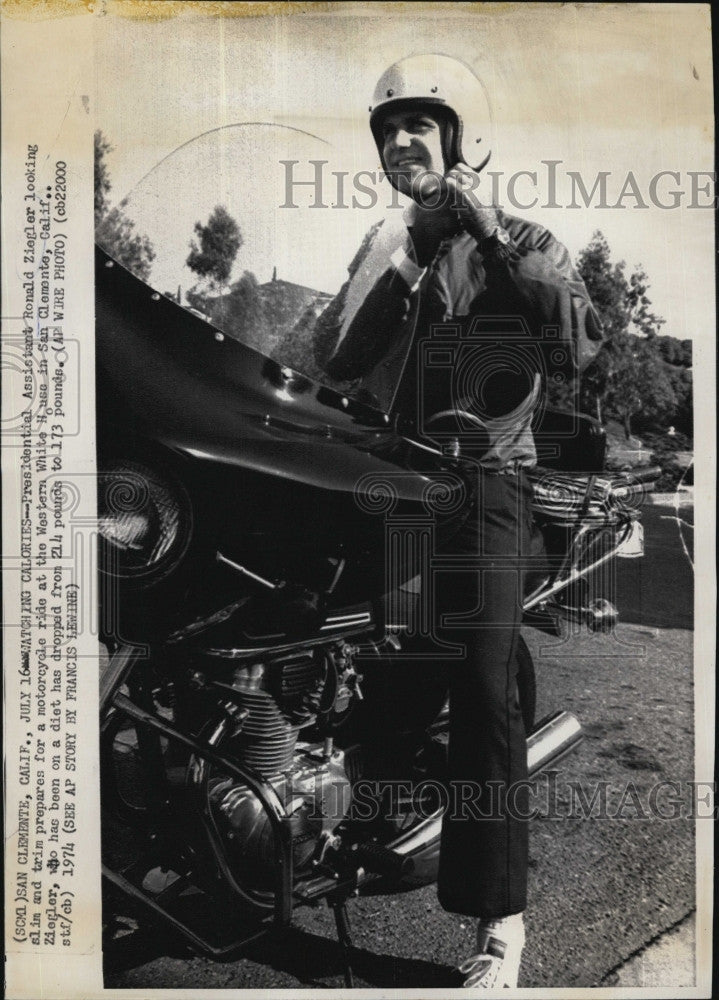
x=547 y=263
x=350 y=350
x=538 y=284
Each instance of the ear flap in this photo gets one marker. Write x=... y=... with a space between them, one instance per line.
x=451 y=141
x=452 y=146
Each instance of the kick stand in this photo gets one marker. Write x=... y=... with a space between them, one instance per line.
x=339 y=908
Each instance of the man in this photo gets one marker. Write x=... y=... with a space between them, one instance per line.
x=509 y=290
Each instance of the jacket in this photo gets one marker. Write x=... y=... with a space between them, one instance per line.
x=463 y=334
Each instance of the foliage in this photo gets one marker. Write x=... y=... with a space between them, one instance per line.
x=102 y=176
x=295 y=344
x=675 y=352
x=665 y=449
x=239 y=313
x=630 y=379
x=645 y=322
x=115 y=234
x=607 y=285
x=682 y=385
x=114 y=230
x=219 y=241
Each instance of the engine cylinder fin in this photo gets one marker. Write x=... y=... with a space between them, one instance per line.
x=267 y=740
x=280 y=697
x=293 y=681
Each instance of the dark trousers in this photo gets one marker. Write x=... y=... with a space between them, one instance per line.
x=483 y=859
x=484 y=847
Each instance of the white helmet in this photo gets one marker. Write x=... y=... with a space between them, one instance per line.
x=443 y=82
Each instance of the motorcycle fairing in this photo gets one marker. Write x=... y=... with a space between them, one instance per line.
x=165 y=374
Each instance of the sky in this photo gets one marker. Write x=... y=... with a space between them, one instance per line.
x=624 y=89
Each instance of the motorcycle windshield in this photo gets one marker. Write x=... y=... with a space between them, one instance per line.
x=253 y=227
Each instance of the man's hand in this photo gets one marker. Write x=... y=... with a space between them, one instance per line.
x=434 y=219
x=471 y=202
x=445 y=205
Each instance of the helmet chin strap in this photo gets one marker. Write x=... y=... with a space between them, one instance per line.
x=484 y=163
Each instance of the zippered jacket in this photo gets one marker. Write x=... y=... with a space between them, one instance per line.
x=465 y=334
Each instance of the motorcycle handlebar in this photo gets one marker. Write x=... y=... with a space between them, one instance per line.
x=643 y=475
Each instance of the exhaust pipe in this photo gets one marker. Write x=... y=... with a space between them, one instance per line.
x=553 y=737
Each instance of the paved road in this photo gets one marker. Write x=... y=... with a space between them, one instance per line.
x=600 y=888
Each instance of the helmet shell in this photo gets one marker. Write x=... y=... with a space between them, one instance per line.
x=435 y=80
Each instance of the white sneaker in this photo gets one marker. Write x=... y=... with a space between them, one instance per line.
x=499 y=953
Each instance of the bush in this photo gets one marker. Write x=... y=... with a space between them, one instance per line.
x=664 y=449
x=661 y=443
x=661 y=450
x=672 y=475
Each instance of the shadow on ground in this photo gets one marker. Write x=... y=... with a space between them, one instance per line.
x=311 y=959
x=658 y=590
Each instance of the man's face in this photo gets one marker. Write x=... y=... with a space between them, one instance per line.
x=412 y=146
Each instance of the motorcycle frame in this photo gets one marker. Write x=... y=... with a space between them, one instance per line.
x=266 y=795
x=569 y=571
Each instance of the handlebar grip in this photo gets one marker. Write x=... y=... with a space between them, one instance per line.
x=644 y=475
x=383 y=860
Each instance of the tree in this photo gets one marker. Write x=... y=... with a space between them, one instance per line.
x=645 y=322
x=641 y=393
x=239 y=313
x=219 y=241
x=627 y=379
x=102 y=176
x=607 y=285
x=675 y=352
x=682 y=385
x=114 y=230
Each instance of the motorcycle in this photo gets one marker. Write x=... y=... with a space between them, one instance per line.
x=258 y=638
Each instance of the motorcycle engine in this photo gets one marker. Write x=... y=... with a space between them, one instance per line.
x=277 y=700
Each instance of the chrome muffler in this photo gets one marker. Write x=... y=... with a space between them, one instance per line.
x=555 y=735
